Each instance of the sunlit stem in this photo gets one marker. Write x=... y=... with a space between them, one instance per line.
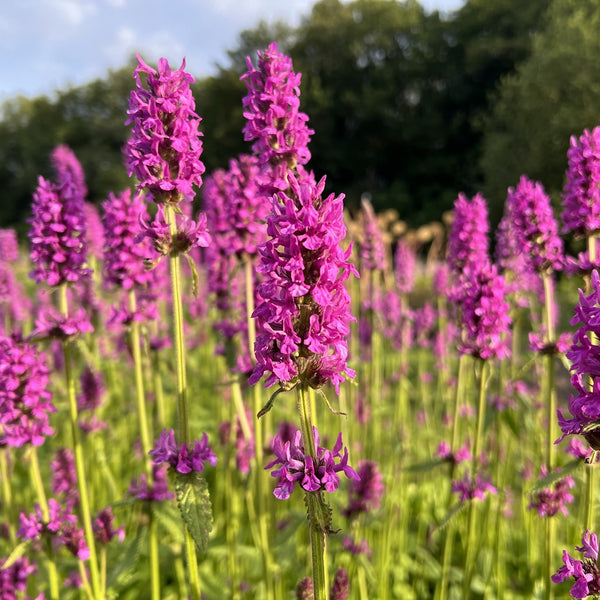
x=84 y=503
x=314 y=503
x=183 y=424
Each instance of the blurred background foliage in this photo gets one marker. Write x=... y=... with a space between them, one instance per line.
x=408 y=106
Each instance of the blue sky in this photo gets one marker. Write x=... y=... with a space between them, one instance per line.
x=51 y=44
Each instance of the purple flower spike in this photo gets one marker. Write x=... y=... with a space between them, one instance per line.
x=372 y=252
x=9 y=246
x=123 y=257
x=275 y=125
x=469 y=489
x=584 y=403
x=184 y=458
x=468 y=238
x=69 y=171
x=535 y=229
x=485 y=315
x=57 y=235
x=304 y=313
x=584 y=571
x=165 y=147
x=13 y=579
x=297 y=466
x=25 y=402
x=554 y=499
x=581 y=195
x=365 y=493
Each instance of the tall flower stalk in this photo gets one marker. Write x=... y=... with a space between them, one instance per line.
x=58 y=252
x=164 y=154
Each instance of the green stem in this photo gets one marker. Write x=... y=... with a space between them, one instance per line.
x=36 y=477
x=84 y=503
x=145 y=438
x=471 y=531
x=7 y=502
x=315 y=504
x=183 y=424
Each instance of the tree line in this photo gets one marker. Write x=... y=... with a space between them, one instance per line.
x=408 y=106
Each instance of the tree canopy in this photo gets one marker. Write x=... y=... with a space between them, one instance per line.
x=402 y=101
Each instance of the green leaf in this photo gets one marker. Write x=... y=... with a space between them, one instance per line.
x=557 y=475
x=426 y=466
x=456 y=509
x=193 y=500
x=194 y=271
x=17 y=552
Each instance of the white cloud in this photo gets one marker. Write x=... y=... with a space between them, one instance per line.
x=116 y=3
x=121 y=46
x=74 y=12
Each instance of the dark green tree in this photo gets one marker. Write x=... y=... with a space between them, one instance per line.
x=554 y=93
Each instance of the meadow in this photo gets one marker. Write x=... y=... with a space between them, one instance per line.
x=225 y=385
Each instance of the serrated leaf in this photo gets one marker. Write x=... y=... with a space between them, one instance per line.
x=455 y=510
x=557 y=475
x=123 y=568
x=426 y=466
x=193 y=500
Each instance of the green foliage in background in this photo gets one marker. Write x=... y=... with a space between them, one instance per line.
x=408 y=106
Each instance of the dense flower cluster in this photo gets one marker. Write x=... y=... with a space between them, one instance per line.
x=365 y=493
x=584 y=403
x=304 y=315
x=61 y=528
x=529 y=210
x=340 y=588
x=468 y=237
x=188 y=234
x=485 y=314
x=57 y=235
x=468 y=488
x=581 y=195
x=585 y=571
x=372 y=248
x=103 y=528
x=165 y=147
x=52 y=324
x=184 y=458
x=444 y=451
x=25 y=401
x=13 y=579
x=94 y=231
x=69 y=172
x=405 y=262
x=9 y=246
x=64 y=477
x=553 y=499
x=123 y=257
x=275 y=125
x=155 y=491
x=298 y=466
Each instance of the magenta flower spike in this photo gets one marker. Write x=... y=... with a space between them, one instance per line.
x=275 y=125
x=485 y=315
x=9 y=246
x=372 y=249
x=61 y=529
x=165 y=146
x=123 y=257
x=405 y=261
x=584 y=402
x=303 y=316
x=184 y=458
x=468 y=238
x=529 y=210
x=581 y=194
x=57 y=235
x=297 y=466
x=585 y=571
x=553 y=499
x=25 y=401
x=69 y=172
x=365 y=493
